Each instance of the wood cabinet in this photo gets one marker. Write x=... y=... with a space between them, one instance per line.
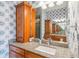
x=48 y=28
x=15 y=55
x=25 y=15
x=29 y=54
x=53 y=28
x=33 y=22
x=57 y=37
x=16 y=52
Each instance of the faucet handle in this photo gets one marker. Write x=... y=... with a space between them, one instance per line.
x=49 y=41
x=40 y=41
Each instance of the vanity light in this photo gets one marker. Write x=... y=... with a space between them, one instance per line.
x=42 y=4
x=44 y=7
x=45 y=4
x=59 y=2
x=51 y=5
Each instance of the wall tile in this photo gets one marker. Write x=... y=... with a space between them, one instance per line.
x=7 y=25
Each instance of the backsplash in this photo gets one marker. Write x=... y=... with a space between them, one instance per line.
x=7 y=25
x=55 y=14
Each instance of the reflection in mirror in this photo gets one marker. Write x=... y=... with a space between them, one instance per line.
x=55 y=23
x=55 y=30
x=58 y=26
x=38 y=22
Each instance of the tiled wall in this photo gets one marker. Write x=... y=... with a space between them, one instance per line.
x=55 y=14
x=73 y=27
x=7 y=25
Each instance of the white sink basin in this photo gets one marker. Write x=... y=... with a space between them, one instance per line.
x=51 y=51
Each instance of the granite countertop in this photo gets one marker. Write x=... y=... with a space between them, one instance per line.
x=61 y=52
x=58 y=35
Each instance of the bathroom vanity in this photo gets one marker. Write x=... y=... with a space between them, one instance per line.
x=18 y=52
x=36 y=50
x=25 y=23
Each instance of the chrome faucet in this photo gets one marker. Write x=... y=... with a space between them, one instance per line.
x=49 y=41
x=40 y=41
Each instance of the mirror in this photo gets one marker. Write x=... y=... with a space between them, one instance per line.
x=55 y=22
x=57 y=17
x=38 y=22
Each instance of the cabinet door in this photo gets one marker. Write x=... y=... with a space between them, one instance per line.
x=33 y=22
x=15 y=55
x=27 y=21
x=32 y=55
x=17 y=50
x=48 y=26
x=19 y=23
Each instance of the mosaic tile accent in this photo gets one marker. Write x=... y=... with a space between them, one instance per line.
x=57 y=13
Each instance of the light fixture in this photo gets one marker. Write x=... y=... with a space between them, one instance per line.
x=41 y=3
x=59 y=2
x=45 y=4
x=44 y=7
x=51 y=4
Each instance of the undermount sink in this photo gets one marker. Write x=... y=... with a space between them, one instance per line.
x=48 y=50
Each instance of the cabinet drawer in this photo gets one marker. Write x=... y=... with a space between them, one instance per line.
x=15 y=55
x=32 y=55
x=17 y=50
